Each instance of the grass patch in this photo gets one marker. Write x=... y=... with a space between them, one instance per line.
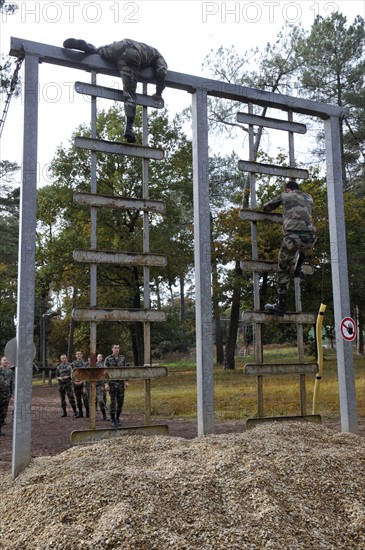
x=235 y=395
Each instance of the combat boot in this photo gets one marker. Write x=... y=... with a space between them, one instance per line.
x=130 y=115
x=114 y=424
x=76 y=44
x=278 y=308
x=64 y=413
x=129 y=132
x=79 y=415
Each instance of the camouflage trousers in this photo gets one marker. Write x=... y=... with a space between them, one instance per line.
x=100 y=396
x=128 y=61
x=291 y=244
x=116 y=399
x=65 y=388
x=4 y=404
x=81 y=395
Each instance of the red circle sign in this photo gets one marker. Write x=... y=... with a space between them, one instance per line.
x=348 y=329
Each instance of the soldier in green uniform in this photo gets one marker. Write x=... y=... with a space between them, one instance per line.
x=63 y=375
x=80 y=388
x=6 y=389
x=116 y=387
x=130 y=57
x=299 y=236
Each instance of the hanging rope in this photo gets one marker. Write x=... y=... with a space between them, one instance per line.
x=13 y=84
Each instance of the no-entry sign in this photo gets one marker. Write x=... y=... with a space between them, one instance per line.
x=348 y=329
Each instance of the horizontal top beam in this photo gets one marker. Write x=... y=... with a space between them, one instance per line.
x=180 y=81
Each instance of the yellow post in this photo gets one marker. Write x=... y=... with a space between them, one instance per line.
x=319 y=322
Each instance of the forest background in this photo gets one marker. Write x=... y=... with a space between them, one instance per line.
x=325 y=63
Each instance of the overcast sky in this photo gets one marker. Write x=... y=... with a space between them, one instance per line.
x=184 y=32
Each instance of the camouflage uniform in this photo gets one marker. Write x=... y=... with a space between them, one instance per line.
x=6 y=391
x=116 y=387
x=130 y=57
x=63 y=375
x=100 y=392
x=298 y=230
x=80 y=389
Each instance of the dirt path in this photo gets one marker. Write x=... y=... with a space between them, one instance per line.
x=51 y=433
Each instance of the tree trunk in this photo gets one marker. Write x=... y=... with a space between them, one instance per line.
x=219 y=339
x=137 y=328
x=158 y=295
x=229 y=362
x=217 y=314
x=215 y=300
x=361 y=336
x=360 y=332
x=184 y=346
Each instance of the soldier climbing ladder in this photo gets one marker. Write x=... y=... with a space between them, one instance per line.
x=259 y=318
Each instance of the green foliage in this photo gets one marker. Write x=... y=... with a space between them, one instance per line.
x=9 y=76
x=10 y=9
x=64 y=226
x=354 y=141
x=175 y=335
x=290 y=65
x=337 y=76
x=340 y=65
x=235 y=395
x=274 y=71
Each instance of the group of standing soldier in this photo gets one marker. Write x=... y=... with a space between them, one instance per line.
x=78 y=392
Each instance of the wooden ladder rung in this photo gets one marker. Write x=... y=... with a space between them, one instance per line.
x=264 y=317
x=270 y=266
x=275 y=369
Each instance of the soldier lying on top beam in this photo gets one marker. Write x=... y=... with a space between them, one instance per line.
x=130 y=57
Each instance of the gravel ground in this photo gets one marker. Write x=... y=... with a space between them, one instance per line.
x=278 y=486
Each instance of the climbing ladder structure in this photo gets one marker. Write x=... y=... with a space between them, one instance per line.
x=199 y=88
x=94 y=256
x=258 y=317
